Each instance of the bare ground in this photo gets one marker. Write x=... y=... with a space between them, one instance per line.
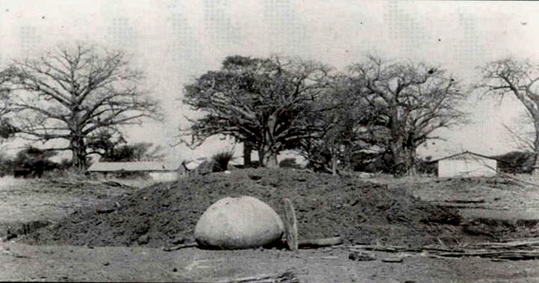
x=21 y=261
x=53 y=263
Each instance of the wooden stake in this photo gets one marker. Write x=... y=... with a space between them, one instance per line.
x=290 y=225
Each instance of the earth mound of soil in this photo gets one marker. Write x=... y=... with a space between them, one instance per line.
x=166 y=214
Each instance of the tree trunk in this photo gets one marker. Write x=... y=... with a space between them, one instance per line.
x=267 y=153
x=348 y=158
x=399 y=157
x=78 y=149
x=397 y=142
x=535 y=169
x=334 y=161
x=411 y=166
x=247 y=149
x=334 y=166
x=268 y=157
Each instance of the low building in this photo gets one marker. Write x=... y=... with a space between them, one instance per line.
x=465 y=165
x=159 y=171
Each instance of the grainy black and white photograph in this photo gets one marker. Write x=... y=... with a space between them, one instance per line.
x=269 y=141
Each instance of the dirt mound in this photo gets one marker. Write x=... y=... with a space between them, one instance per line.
x=326 y=206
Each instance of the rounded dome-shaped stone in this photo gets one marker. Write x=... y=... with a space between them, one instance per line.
x=238 y=223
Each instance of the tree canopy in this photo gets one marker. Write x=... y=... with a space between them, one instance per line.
x=263 y=101
x=71 y=93
x=411 y=101
x=280 y=103
x=518 y=78
x=343 y=125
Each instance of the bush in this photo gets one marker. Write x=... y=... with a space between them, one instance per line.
x=515 y=162
x=134 y=152
x=32 y=162
x=221 y=160
x=289 y=163
x=7 y=165
x=373 y=162
x=427 y=167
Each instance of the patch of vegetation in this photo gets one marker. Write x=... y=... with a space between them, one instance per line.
x=289 y=163
x=221 y=160
x=33 y=162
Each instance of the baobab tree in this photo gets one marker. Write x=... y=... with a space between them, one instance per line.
x=412 y=101
x=342 y=126
x=264 y=102
x=72 y=93
x=518 y=78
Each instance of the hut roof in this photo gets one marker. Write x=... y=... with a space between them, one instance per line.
x=139 y=166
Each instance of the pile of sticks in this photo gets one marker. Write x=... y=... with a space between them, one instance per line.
x=515 y=250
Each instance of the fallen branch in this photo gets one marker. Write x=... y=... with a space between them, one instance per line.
x=486 y=250
x=464 y=201
x=512 y=255
x=318 y=243
x=179 y=247
x=114 y=184
x=464 y=205
x=509 y=245
x=285 y=277
x=398 y=249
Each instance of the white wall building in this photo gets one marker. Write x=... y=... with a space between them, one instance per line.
x=159 y=171
x=467 y=164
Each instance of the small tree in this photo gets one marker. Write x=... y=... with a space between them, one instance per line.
x=70 y=94
x=262 y=102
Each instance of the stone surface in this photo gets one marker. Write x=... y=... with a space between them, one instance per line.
x=238 y=223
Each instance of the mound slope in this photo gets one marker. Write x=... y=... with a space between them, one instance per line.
x=166 y=214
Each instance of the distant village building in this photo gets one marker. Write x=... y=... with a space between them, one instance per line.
x=159 y=171
x=466 y=164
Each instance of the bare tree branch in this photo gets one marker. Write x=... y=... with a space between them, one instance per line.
x=72 y=92
x=515 y=77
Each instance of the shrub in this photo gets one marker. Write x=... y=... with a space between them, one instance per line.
x=289 y=163
x=32 y=162
x=6 y=165
x=515 y=162
x=221 y=160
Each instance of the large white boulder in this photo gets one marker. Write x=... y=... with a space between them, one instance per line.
x=238 y=223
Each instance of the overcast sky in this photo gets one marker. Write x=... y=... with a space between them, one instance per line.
x=174 y=41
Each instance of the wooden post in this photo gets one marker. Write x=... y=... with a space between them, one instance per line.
x=290 y=225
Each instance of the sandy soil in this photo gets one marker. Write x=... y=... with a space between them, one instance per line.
x=21 y=261
x=48 y=201
x=501 y=198
x=53 y=263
